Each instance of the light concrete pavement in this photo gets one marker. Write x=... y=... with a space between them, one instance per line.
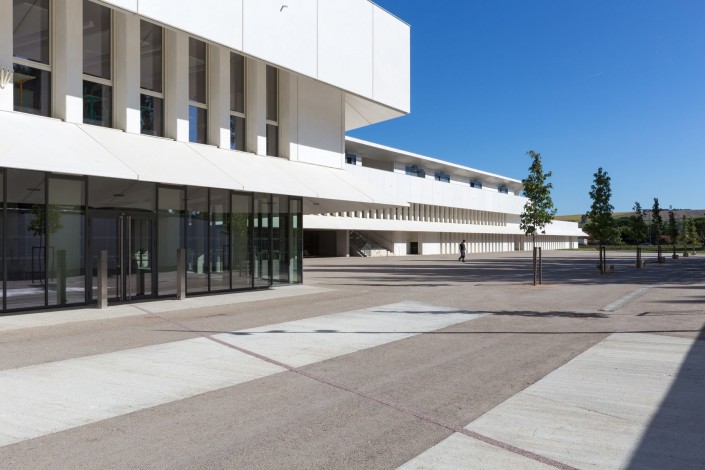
x=376 y=363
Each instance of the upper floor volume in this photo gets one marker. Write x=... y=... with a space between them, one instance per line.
x=351 y=44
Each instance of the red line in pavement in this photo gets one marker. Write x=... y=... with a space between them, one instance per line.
x=383 y=401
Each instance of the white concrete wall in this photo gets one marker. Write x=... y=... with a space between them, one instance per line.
x=319 y=132
x=350 y=44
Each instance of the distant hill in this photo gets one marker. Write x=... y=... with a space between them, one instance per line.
x=694 y=213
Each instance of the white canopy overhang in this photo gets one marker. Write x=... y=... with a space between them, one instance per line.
x=43 y=144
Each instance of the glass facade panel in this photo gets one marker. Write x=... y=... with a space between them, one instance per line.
x=32 y=90
x=151 y=115
x=280 y=244
x=121 y=195
x=198 y=124
x=197 y=70
x=66 y=267
x=197 y=239
x=219 y=264
x=96 y=40
x=151 y=50
x=241 y=240
x=97 y=104
x=171 y=220
x=272 y=94
x=237 y=133
x=30 y=27
x=26 y=239
x=262 y=240
x=2 y=239
x=237 y=83
x=295 y=239
x=272 y=140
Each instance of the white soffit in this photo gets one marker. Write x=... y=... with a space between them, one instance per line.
x=360 y=112
x=35 y=143
x=160 y=160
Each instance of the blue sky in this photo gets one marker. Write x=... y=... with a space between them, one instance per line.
x=618 y=84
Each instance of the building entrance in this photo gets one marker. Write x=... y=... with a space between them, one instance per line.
x=129 y=240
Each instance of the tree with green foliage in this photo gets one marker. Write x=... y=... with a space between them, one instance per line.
x=600 y=225
x=639 y=228
x=657 y=228
x=690 y=234
x=672 y=228
x=538 y=210
x=699 y=225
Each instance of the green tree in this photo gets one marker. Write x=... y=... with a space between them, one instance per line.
x=639 y=229
x=600 y=225
x=690 y=234
x=538 y=210
x=657 y=228
x=672 y=228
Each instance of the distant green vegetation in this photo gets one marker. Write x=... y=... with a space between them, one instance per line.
x=578 y=217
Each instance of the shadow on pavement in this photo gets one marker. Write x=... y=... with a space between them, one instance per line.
x=675 y=438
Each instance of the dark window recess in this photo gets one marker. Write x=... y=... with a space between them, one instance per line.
x=503 y=189
x=350 y=158
x=476 y=184
x=443 y=177
x=413 y=170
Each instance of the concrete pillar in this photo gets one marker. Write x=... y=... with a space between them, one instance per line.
x=180 y=273
x=256 y=107
x=102 y=278
x=176 y=124
x=67 y=68
x=218 y=96
x=6 y=54
x=342 y=243
x=126 y=76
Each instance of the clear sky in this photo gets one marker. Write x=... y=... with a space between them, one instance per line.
x=618 y=84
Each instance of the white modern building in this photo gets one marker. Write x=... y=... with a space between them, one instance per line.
x=143 y=127
x=446 y=203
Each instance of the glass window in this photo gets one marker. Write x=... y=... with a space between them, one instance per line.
x=2 y=234
x=350 y=159
x=198 y=125
x=32 y=90
x=151 y=79
x=241 y=244
x=237 y=133
x=151 y=115
x=476 y=184
x=237 y=83
x=171 y=220
x=413 y=170
x=96 y=40
x=30 y=28
x=503 y=189
x=66 y=214
x=219 y=263
x=97 y=104
x=272 y=111
x=295 y=240
x=112 y=193
x=26 y=239
x=151 y=56
x=280 y=239
x=197 y=240
x=443 y=177
x=197 y=71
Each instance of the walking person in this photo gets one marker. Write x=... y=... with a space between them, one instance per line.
x=462 y=251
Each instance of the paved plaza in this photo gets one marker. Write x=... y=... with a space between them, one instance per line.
x=418 y=362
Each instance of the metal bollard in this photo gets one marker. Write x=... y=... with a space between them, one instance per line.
x=102 y=276
x=180 y=274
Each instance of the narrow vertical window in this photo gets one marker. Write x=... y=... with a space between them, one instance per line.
x=31 y=51
x=237 y=101
x=97 y=65
x=198 y=110
x=272 y=111
x=151 y=79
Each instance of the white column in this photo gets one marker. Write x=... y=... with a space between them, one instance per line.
x=6 y=39
x=176 y=116
x=288 y=115
x=256 y=103
x=343 y=243
x=218 y=96
x=126 y=79
x=67 y=68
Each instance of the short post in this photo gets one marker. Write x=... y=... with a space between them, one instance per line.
x=535 y=252
x=61 y=277
x=660 y=255
x=638 y=258
x=603 y=259
x=102 y=276
x=180 y=274
x=540 y=267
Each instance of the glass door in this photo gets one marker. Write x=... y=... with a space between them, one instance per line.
x=128 y=239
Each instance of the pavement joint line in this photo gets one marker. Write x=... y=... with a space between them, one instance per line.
x=614 y=306
x=396 y=406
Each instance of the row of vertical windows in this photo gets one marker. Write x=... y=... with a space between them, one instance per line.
x=32 y=75
x=428 y=213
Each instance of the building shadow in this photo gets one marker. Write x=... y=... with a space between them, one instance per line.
x=675 y=437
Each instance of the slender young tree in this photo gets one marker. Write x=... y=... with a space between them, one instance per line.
x=691 y=234
x=538 y=210
x=639 y=228
x=672 y=228
x=600 y=224
x=657 y=227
